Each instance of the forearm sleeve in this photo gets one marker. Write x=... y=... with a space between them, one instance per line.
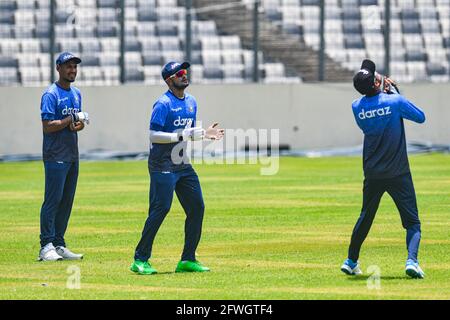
x=163 y=137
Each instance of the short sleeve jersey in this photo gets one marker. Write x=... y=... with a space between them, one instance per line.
x=56 y=104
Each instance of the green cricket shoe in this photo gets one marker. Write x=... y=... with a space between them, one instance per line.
x=191 y=266
x=141 y=267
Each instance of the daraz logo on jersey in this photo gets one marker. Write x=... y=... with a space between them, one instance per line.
x=181 y=122
x=66 y=111
x=374 y=113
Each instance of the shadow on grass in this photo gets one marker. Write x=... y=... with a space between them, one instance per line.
x=165 y=272
x=154 y=274
x=366 y=277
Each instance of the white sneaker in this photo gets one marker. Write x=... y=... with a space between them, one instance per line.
x=413 y=270
x=351 y=268
x=66 y=254
x=48 y=253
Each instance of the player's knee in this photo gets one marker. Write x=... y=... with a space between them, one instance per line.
x=165 y=209
x=202 y=206
x=199 y=209
x=413 y=224
x=160 y=209
x=198 y=205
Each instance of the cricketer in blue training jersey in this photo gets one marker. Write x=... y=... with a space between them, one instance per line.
x=172 y=125
x=380 y=114
x=62 y=118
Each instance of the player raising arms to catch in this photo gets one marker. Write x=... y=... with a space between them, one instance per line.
x=172 y=124
x=386 y=169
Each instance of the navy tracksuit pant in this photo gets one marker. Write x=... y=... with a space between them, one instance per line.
x=60 y=185
x=187 y=187
x=401 y=189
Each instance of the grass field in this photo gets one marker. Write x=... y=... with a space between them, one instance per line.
x=265 y=237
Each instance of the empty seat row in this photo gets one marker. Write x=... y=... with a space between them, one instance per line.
x=11 y=5
x=154 y=34
x=354 y=30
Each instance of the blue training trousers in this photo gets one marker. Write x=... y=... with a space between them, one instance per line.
x=187 y=187
x=60 y=185
x=401 y=189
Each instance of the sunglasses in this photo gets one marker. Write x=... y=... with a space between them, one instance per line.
x=179 y=74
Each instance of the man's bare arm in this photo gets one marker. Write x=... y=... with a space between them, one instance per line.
x=50 y=126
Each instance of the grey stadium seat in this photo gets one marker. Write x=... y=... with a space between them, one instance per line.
x=310 y=2
x=411 y=26
x=91 y=45
x=90 y=61
x=62 y=16
x=85 y=31
x=8 y=62
x=354 y=42
x=148 y=15
x=436 y=69
x=107 y=3
x=409 y=14
x=212 y=73
x=7 y=5
x=352 y=26
x=6 y=31
x=352 y=13
x=132 y=44
x=368 y=2
x=150 y=44
x=166 y=30
x=9 y=76
x=416 y=56
x=24 y=32
x=134 y=75
x=106 y=30
x=196 y=57
x=152 y=58
x=7 y=17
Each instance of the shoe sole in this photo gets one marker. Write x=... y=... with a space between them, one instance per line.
x=188 y=271
x=143 y=273
x=80 y=258
x=347 y=270
x=41 y=260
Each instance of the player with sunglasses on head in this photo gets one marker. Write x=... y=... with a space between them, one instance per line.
x=379 y=114
x=172 y=125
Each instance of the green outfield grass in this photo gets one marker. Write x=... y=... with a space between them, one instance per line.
x=264 y=237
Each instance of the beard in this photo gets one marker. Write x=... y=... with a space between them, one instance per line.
x=180 y=85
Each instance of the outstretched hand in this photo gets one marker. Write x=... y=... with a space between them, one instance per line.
x=214 y=133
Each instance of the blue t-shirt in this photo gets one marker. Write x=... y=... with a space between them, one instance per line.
x=171 y=114
x=380 y=117
x=56 y=104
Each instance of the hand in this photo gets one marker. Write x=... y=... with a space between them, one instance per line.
x=80 y=116
x=194 y=134
x=388 y=84
x=214 y=133
x=76 y=126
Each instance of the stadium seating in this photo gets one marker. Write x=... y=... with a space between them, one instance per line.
x=154 y=33
x=420 y=46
